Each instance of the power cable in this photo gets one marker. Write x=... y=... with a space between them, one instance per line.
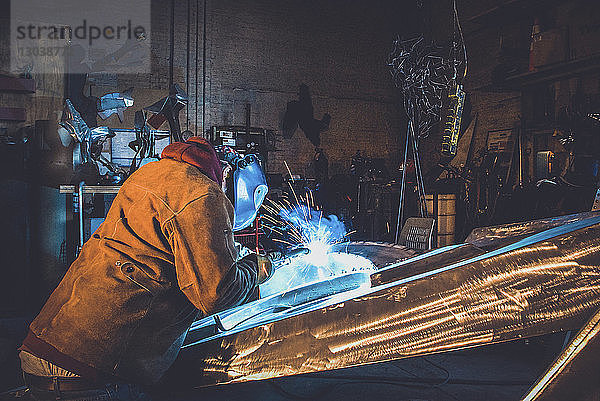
x=204 y=69
x=422 y=380
x=432 y=385
x=462 y=38
x=411 y=382
x=317 y=395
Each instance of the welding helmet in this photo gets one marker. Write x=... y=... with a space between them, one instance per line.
x=244 y=183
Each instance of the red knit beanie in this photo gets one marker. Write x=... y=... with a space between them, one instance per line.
x=199 y=153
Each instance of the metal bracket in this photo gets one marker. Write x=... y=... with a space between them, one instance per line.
x=596 y=204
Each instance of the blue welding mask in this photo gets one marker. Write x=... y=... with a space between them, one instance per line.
x=244 y=183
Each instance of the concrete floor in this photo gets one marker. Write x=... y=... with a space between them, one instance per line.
x=502 y=372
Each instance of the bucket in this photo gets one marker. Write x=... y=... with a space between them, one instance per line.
x=444 y=213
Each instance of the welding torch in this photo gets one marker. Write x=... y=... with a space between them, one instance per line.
x=273 y=260
x=296 y=252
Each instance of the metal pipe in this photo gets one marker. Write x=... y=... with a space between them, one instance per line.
x=402 y=184
x=81 y=226
x=187 y=65
x=204 y=70
x=172 y=43
x=418 y=173
x=196 y=73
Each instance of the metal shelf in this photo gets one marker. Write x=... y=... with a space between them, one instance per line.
x=90 y=189
x=555 y=72
x=13 y=114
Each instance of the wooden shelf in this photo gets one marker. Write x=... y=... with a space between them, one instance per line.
x=494 y=11
x=13 y=114
x=511 y=9
x=17 y=85
x=555 y=72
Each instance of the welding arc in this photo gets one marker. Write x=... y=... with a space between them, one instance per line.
x=303 y=231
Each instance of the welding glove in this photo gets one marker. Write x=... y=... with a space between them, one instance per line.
x=264 y=262
x=265 y=268
x=270 y=262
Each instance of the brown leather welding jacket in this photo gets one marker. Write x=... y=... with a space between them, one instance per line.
x=165 y=251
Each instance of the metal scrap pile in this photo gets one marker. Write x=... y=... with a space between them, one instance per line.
x=423 y=74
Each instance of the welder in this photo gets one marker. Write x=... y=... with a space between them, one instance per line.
x=164 y=256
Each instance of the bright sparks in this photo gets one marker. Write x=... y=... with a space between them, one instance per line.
x=299 y=223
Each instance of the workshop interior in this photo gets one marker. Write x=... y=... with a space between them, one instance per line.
x=427 y=171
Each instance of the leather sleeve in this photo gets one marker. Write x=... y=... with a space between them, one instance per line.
x=233 y=289
x=205 y=255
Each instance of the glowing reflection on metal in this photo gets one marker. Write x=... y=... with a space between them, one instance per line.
x=543 y=388
x=308 y=269
x=524 y=287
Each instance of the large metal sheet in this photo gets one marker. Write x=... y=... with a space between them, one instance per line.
x=543 y=281
x=574 y=373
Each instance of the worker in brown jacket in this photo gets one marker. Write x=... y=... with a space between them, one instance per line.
x=164 y=256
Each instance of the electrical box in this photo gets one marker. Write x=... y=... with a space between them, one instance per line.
x=244 y=139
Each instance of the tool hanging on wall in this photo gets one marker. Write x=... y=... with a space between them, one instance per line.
x=453 y=121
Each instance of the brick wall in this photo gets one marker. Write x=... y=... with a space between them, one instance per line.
x=260 y=53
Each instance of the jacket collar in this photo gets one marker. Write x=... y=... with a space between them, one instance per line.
x=199 y=153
